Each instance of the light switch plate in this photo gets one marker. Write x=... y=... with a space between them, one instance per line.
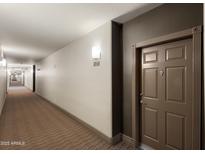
x=96 y=63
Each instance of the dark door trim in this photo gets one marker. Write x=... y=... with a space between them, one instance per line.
x=195 y=34
x=34 y=78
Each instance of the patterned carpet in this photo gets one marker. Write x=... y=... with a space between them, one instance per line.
x=29 y=122
x=16 y=84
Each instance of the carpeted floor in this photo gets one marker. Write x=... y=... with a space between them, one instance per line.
x=16 y=83
x=29 y=122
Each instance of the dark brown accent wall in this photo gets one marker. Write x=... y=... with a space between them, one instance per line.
x=117 y=75
x=165 y=19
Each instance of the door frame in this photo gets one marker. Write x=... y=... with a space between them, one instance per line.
x=195 y=33
x=34 y=78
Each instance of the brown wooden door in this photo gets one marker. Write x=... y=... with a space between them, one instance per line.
x=166 y=102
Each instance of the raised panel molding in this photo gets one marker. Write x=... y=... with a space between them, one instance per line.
x=175 y=131
x=151 y=82
x=175 y=53
x=151 y=123
x=151 y=57
x=175 y=82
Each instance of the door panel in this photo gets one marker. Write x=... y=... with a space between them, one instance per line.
x=151 y=97
x=175 y=53
x=175 y=128
x=151 y=116
x=166 y=102
x=150 y=57
x=175 y=81
x=150 y=83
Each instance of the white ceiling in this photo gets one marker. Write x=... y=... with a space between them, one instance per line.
x=33 y=31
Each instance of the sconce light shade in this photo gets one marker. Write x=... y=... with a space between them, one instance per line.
x=3 y=62
x=96 y=52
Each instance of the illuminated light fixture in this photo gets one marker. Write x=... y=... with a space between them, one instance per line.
x=96 y=52
x=2 y=59
x=3 y=62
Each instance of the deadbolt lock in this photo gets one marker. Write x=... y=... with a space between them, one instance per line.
x=161 y=73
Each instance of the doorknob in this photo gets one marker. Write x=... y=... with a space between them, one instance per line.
x=141 y=102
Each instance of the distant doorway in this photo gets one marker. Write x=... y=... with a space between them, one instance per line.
x=20 y=75
x=16 y=78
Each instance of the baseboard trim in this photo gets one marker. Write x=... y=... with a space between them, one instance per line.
x=132 y=142
x=114 y=140
x=128 y=140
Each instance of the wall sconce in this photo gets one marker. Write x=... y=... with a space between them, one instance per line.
x=2 y=59
x=3 y=62
x=96 y=55
x=96 y=52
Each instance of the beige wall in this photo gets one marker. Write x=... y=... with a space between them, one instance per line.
x=2 y=86
x=29 y=78
x=68 y=79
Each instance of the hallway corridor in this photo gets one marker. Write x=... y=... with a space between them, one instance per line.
x=29 y=122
